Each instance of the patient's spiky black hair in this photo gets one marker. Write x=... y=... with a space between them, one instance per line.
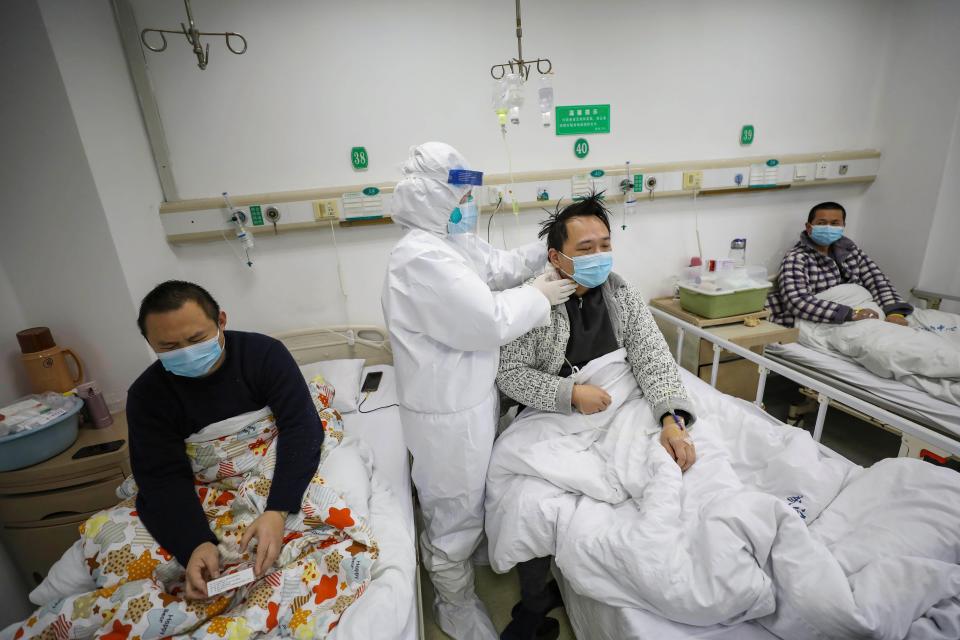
x=554 y=228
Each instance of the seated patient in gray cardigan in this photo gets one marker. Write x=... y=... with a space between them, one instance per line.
x=605 y=314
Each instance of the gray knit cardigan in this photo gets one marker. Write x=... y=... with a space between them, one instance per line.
x=529 y=365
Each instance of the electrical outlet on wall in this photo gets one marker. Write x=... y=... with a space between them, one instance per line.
x=495 y=193
x=821 y=172
x=326 y=210
x=692 y=180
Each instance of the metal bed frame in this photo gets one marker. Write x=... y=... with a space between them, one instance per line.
x=824 y=391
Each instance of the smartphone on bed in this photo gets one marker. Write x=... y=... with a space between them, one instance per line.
x=372 y=382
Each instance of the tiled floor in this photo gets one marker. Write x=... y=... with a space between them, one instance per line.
x=498 y=592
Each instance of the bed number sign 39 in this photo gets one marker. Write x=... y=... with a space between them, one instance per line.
x=359 y=158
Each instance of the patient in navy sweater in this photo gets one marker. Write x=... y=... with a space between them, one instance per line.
x=206 y=374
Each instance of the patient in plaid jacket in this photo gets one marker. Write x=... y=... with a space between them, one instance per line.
x=824 y=258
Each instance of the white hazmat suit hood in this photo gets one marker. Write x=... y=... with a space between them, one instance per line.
x=424 y=199
x=450 y=305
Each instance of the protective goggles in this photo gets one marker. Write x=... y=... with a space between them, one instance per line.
x=465 y=177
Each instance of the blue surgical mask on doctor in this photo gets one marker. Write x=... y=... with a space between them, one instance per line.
x=825 y=235
x=591 y=270
x=193 y=361
x=463 y=219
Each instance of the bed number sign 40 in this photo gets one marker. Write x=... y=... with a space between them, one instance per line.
x=581 y=148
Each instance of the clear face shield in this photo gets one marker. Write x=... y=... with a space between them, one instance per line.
x=464 y=218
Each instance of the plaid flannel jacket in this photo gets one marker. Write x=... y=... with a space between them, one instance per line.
x=805 y=272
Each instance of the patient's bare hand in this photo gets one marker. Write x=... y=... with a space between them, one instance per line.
x=864 y=314
x=268 y=530
x=678 y=444
x=900 y=320
x=204 y=565
x=590 y=399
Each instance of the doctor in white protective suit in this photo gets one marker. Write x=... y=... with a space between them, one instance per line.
x=450 y=301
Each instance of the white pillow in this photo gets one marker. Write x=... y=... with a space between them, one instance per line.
x=344 y=375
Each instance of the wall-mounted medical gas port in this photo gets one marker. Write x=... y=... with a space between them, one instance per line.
x=272 y=214
x=651 y=183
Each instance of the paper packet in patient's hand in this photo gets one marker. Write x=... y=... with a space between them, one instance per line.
x=232 y=578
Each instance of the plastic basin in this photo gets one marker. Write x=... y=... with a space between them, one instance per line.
x=19 y=450
x=722 y=304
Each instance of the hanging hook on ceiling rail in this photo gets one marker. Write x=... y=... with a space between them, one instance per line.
x=518 y=65
x=192 y=34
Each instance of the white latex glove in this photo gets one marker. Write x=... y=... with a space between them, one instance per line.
x=557 y=291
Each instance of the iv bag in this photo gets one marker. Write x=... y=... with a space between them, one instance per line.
x=513 y=95
x=545 y=96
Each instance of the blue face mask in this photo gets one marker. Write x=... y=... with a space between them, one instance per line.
x=464 y=218
x=825 y=235
x=193 y=361
x=591 y=270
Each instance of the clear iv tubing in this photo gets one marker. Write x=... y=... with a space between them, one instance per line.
x=696 y=218
x=245 y=240
x=513 y=198
x=336 y=250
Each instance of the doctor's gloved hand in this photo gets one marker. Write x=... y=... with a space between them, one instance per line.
x=589 y=399
x=204 y=565
x=556 y=291
x=897 y=318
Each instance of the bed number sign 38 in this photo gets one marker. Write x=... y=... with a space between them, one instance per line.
x=359 y=158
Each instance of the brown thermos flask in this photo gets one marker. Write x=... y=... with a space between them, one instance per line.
x=46 y=363
x=96 y=406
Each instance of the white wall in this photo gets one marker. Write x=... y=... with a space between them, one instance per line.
x=58 y=253
x=321 y=77
x=682 y=77
x=13 y=383
x=941 y=270
x=111 y=129
x=918 y=110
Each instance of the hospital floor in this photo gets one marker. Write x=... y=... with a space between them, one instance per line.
x=498 y=592
x=854 y=439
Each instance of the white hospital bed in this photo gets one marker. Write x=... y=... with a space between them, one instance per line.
x=599 y=621
x=380 y=428
x=891 y=395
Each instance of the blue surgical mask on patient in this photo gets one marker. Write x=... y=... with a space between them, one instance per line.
x=825 y=235
x=193 y=361
x=463 y=219
x=592 y=269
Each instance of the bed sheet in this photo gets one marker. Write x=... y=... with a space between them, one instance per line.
x=933 y=411
x=599 y=621
x=382 y=432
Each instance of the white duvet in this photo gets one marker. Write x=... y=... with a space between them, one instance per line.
x=924 y=355
x=763 y=526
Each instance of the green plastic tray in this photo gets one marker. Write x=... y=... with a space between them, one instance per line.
x=722 y=305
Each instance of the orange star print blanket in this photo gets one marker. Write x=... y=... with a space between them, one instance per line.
x=324 y=566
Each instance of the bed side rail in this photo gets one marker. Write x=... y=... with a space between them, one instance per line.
x=825 y=392
x=932 y=298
